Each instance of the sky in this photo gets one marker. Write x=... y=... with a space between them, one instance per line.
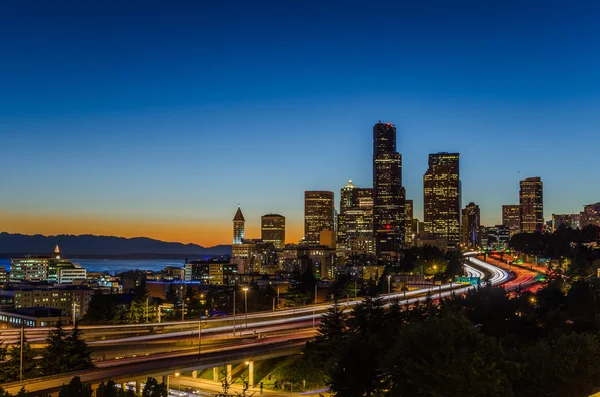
x=157 y=118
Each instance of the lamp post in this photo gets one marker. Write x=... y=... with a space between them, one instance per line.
x=246 y=304
x=347 y=297
x=316 y=286
x=389 y=277
x=147 y=309
x=199 y=336
x=233 y=311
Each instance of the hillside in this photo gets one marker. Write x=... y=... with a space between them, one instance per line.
x=102 y=246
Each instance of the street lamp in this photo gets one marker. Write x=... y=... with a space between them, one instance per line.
x=246 y=304
x=316 y=286
x=389 y=277
x=347 y=297
x=233 y=311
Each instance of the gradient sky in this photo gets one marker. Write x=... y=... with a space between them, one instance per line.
x=156 y=119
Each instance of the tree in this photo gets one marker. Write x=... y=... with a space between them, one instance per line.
x=330 y=338
x=561 y=366
x=77 y=351
x=154 y=389
x=13 y=364
x=4 y=393
x=446 y=356
x=107 y=389
x=76 y=389
x=54 y=357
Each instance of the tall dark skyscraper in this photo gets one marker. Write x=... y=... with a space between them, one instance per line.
x=471 y=225
x=532 y=205
x=388 y=193
x=318 y=214
x=442 y=196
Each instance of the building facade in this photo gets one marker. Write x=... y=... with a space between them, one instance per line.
x=356 y=218
x=388 y=194
x=51 y=268
x=442 y=199
x=471 y=225
x=318 y=214
x=272 y=230
x=67 y=299
x=590 y=215
x=567 y=220
x=511 y=218
x=532 y=205
x=210 y=272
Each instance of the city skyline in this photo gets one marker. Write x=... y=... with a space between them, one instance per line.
x=123 y=137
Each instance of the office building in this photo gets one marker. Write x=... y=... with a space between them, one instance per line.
x=388 y=194
x=356 y=217
x=210 y=272
x=46 y=268
x=3 y=275
x=318 y=214
x=590 y=215
x=408 y=223
x=442 y=199
x=238 y=227
x=566 y=220
x=272 y=227
x=532 y=205
x=511 y=218
x=471 y=225
x=68 y=299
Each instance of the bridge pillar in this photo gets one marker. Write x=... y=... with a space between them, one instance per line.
x=165 y=379
x=229 y=378
x=216 y=374
x=138 y=387
x=194 y=374
x=251 y=374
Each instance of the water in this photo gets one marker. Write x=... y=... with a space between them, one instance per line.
x=118 y=265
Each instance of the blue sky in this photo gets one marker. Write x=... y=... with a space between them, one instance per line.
x=158 y=118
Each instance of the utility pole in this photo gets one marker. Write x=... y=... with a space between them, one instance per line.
x=182 y=308
x=234 y=311
x=316 y=286
x=22 y=337
x=246 y=304
x=147 y=309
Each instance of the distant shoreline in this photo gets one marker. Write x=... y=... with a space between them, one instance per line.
x=119 y=256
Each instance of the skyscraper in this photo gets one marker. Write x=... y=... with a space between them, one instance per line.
x=238 y=227
x=272 y=227
x=408 y=221
x=590 y=215
x=471 y=225
x=388 y=193
x=532 y=205
x=511 y=218
x=356 y=216
x=442 y=195
x=318 y=214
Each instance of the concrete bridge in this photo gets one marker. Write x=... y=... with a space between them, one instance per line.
x=165 y=368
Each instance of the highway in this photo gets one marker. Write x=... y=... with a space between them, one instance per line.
x=269 y=330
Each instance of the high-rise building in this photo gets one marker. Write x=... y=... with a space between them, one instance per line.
x=408 y=223
x=532 y=205
x=356 y=216
x=318 y=214
x=567 y=220
x=442 y=196
x=590 y=215
x=511 y=218
x=238 y=227
x=471 y=225
x=388 y=193
x=272 y=227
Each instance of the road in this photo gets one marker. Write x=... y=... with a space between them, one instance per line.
x=276 y=330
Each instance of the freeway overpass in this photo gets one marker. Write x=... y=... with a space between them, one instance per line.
x=269 y=333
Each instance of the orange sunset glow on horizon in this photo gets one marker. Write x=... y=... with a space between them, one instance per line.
x=206 y=234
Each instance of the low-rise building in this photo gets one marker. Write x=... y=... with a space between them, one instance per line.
x=68 y=299
x=31 y=317
x=210 y=272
